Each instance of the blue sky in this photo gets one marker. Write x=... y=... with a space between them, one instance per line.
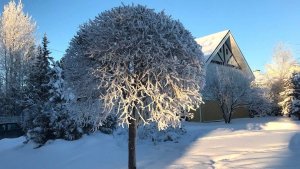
x=257 y=25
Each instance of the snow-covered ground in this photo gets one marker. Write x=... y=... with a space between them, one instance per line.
x=246 y=143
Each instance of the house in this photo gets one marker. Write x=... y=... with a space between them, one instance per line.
x=221 y=49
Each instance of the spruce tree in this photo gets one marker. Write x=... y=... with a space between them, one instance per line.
x=43 y=67
x=53 y=121
x=61 y=123
x=37 y=82
x=36 y=118
x=291 y=96
x=32 y=103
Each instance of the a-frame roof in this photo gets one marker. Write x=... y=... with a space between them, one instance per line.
x=211 y=44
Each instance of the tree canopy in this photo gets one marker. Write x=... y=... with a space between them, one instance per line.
x=134 y=58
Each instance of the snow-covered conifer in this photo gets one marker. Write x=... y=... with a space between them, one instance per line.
x=54 y=121
x=291 y=96
x=37 y=88
x=63 y=125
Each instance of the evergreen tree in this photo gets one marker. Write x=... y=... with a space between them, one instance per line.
x=38 y=77
x=291 y=96
x=46 y=52
x=42 y=68
x=63 y=126
x=53 y=121
x=37 y=93
x=30 y=104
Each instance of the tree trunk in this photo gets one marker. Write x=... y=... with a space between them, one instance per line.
x=229 y=118
x=131 y=142
x=225 y=117
x=224 y=113
x=6 y=72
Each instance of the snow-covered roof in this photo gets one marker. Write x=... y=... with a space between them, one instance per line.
x=210 y=43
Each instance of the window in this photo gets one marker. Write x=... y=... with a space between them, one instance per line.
x=226 y=51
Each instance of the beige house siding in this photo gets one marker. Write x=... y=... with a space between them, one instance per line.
x=211 y=111
x=241 y=113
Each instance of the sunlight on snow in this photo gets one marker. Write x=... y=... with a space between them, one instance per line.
x=242 y=145
x=280 y=125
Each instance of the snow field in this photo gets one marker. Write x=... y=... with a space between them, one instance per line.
x=246 y=143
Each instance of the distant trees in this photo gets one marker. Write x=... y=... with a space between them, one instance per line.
x=228 y=86
x=137 y=64
x=29 y=86
x=283 y=65
x=17 y=37
x=276 y=85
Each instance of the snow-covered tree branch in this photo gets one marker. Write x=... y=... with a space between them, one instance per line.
x=135 y=63
x=229 y=87
x=290 y=104
x=260 y=103
x=283 y=65
x=131 y=58
x=17 y=37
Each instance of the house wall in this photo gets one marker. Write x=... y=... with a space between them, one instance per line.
x=211 y=111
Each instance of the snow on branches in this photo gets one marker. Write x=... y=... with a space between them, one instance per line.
x=16 y=28
x=131 y=58
x=229 y=87
x=291 y=96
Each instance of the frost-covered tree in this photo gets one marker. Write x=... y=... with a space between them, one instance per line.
x=259 y=103
x=291 y=96
x=38 y=79
x=37 y=89
x=135 y=63
x=53 y=121
x=282 y=66
x=150 y=132
x=31 y=104
x=261 y=100
x=38 y=119
x=229 y=87
x=42 y=68
x=63 y=125
x=16 y=38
